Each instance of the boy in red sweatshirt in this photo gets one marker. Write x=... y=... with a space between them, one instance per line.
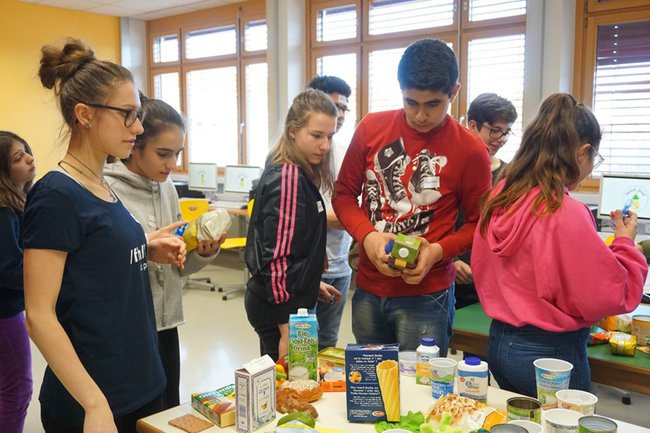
x=415 y=168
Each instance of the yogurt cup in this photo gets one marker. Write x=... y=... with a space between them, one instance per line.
x=574 y=399
x=407 y=362
x=561 y=421
x=551 y=375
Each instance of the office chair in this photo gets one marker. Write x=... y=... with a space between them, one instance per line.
x=240 y=245
x=191 y=209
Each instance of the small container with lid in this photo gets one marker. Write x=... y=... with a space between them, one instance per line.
x=424 y=353
x=473 y=378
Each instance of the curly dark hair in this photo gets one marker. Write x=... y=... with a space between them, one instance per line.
x=330 y=84
x=428 y=64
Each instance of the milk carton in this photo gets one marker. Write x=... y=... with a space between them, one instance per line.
x=303 y=346
x=255 y=394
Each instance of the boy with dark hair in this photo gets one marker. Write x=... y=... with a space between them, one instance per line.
x=415 y=166
x=491 y=117
x=338 y=273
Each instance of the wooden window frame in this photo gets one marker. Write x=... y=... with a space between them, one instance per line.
x=235 y=14
x=589 y=15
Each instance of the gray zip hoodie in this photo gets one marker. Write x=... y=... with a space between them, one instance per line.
x=155 y=205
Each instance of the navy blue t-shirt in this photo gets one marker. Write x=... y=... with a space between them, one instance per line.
x=105 y=303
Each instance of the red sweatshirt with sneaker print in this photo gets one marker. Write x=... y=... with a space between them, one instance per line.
x=412 y=183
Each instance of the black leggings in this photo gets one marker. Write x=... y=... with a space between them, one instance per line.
x=125 y=423
x=168 y=347
x=267 y=331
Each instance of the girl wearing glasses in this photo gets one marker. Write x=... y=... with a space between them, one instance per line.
x=17 y=171
x=87 y=295
x=285 y=247
x=542 y=272
x=142 y=182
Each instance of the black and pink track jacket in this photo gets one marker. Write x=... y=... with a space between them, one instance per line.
x=285 y=246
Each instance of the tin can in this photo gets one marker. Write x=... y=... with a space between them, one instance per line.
x=524 y=408
x=596 y=424
x=507 y=428
x=641 y=328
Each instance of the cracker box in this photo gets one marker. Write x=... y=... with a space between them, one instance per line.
x=372 y=382
x=331 y=369
x=255 y=394
x=218 y=405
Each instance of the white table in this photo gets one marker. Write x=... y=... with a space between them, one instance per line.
x=332 y=411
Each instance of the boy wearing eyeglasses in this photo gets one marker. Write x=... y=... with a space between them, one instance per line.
x=491 y=117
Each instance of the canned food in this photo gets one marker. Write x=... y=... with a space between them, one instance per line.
x=596 y=424
x=507 y=428
x=524 y=408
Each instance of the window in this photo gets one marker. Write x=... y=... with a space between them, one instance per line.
x=219 y=85
x=613 y=63
x=368 y=37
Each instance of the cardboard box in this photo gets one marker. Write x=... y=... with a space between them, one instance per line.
x=303 y=345
x=331 y=369
x=372 y=387
x=405 y=252
x=218 y=405
x=255 y=394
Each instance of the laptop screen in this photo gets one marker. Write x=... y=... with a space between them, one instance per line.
x=618 y=191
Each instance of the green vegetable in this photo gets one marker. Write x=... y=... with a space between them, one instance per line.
x=410 y=422
x=426 y=428
x=304 y=417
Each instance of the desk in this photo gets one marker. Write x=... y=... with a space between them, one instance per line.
x=471 y=328
x=332 y=411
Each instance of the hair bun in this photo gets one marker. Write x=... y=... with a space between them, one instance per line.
x=60 y=64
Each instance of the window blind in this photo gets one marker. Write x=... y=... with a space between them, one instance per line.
x=391 y=16
x=383 y=89
x=333 y=24
x=257 y=123
x=213 y=128
x=165 y=49
x=255 y=35
x=496 y=65
x=481 y=10
x=621 y=100
x=166 y=87
x=216 y=41
x=343 y=66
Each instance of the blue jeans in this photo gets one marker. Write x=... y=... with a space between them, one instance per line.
x=403 y=320
x=329 y=315
x=512 y=350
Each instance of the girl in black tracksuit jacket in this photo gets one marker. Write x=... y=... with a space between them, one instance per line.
x=285 y=247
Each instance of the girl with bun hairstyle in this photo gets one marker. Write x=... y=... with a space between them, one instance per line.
x=88 y=301
x=142 y=183
x=542 y=272
x=17 y=171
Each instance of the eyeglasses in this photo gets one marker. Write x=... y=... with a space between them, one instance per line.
x=497 y=133
x=130 y=115
x=598 y=158
x=342 y=107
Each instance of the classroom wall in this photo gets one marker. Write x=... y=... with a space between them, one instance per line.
x=27 y=108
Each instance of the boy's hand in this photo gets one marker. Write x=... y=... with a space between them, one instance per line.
x=374 y=245
x=463 y=272
x=209 y=247
x=430 y=254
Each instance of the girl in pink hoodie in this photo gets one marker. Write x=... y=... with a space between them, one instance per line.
x=542 y=272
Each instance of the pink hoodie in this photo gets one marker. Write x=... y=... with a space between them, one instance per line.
x=554 y=272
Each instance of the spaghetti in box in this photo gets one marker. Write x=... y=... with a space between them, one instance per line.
x=372 y=382
x=255 y=394
x=331 y=369
x=218 y=405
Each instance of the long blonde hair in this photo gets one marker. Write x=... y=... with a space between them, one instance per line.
x=307 y=102
x=547 y=157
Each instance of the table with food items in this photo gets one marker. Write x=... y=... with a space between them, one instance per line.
x=628 y=370
x=264 y=399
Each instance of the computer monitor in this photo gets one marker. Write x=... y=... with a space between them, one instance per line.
x=617 y=190
x=239 y=178
x=202 y=176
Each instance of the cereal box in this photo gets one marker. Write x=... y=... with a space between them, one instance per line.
x=218 y=405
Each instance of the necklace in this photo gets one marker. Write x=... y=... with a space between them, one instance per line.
x=102 y=182
x=101 y=179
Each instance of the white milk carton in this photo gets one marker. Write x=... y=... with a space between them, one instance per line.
x=255 y=394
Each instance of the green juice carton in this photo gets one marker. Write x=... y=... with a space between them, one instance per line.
x=404 y=252
x=303 y=346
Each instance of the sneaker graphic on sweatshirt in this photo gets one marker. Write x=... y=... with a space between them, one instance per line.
x=424 y=182
x=416 y=224
x=391 y=161
x=373 y=197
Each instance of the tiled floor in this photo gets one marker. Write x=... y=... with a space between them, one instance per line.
x=217 y=339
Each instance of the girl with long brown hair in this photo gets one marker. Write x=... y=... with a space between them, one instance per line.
x=541 y=270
